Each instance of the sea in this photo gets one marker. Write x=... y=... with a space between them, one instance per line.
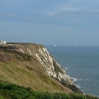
x=81 y=63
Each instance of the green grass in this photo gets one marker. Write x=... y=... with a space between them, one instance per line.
x=12 y=91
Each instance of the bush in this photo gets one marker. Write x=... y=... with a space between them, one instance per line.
x=60 y=96
x=12 y=91
x=77 y=96
x=1 y=97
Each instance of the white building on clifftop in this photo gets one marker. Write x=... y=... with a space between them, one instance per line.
x=2 y=42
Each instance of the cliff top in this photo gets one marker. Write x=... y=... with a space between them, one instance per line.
x=31 y=65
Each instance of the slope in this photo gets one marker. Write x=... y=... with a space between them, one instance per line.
x=25 y=70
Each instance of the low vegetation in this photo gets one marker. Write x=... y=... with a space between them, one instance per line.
x=13 y=91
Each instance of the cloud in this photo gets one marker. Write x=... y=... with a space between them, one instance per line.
x=80 y=18
x=7 y=15
x=64 y=13
x=89 y=5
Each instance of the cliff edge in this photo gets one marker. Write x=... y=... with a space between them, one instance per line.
x=39 y=53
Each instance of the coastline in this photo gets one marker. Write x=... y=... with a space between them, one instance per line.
x=78 y=86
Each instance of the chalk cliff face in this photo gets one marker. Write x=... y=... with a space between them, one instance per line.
x=41 y=54
x=53 y=69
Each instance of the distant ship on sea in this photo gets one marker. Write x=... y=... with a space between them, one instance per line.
x=76 y=45
x=55 y=45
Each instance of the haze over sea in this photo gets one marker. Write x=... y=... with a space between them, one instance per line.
x=81 y=63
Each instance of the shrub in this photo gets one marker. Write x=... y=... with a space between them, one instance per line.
x=77 y=96
x=12 y=91
x=60 y=96
x=1 y=97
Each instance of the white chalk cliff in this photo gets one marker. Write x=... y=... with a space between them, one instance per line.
x=52 y=67
x=38 y=54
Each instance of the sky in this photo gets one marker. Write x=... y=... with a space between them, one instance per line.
x=50 y=22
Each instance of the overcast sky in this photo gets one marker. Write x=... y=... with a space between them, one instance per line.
x=49 y=22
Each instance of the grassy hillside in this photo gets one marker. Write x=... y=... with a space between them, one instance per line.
x=12 y=91
x=24 y=70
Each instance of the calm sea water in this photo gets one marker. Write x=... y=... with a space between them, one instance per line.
x=82 y=63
